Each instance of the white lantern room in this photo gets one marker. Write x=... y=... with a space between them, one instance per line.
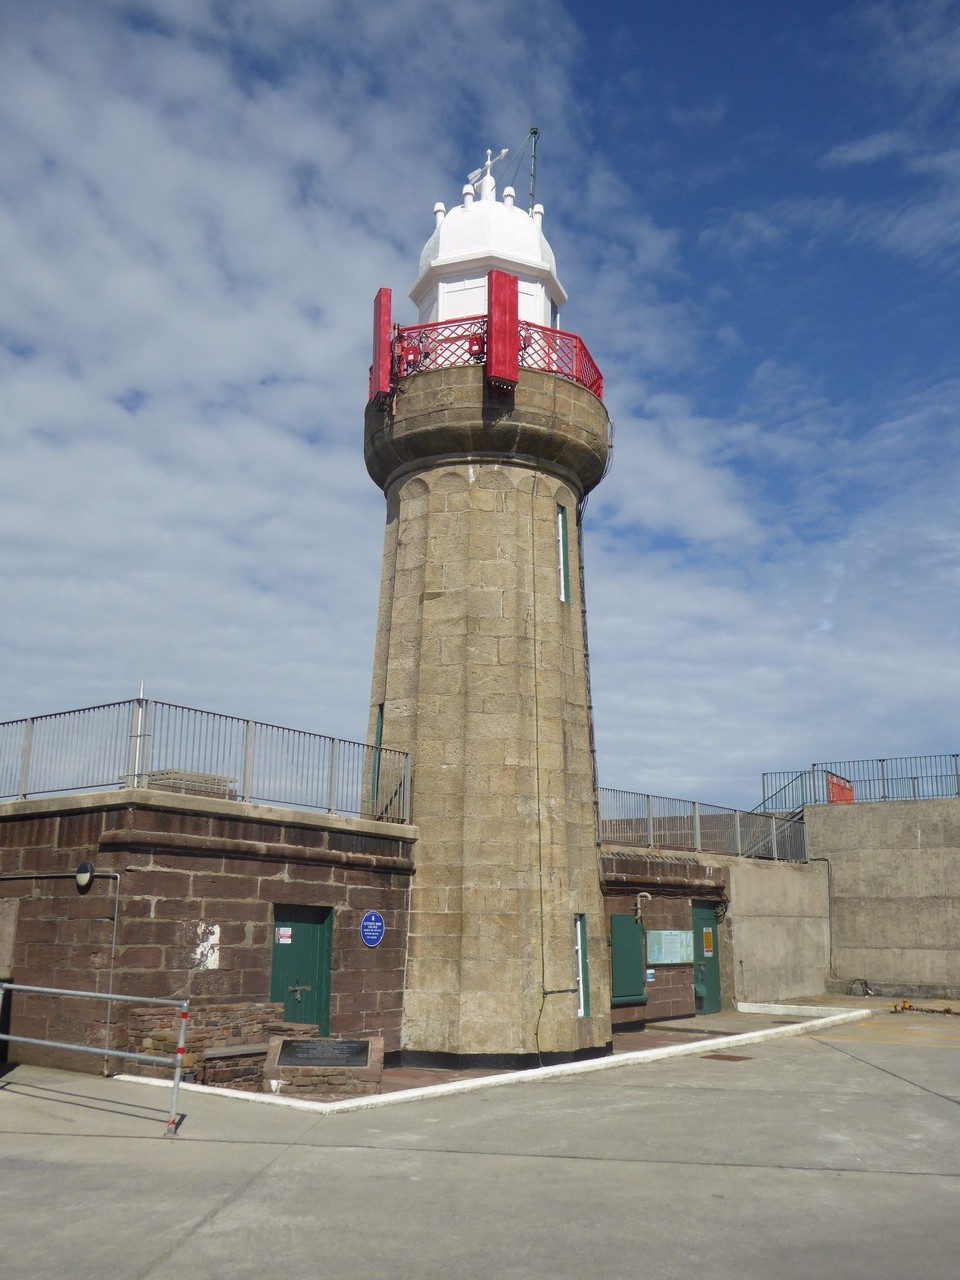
x=481 y=234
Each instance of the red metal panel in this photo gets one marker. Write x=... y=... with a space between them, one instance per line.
x=380 y=371
x=503 y=352
x=839 y=790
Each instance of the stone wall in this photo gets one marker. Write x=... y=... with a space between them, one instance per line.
x=193 y=883
x=480 y=675
x=224 y=1044
x=894 y=893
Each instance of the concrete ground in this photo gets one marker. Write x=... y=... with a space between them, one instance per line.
x=831 y=1154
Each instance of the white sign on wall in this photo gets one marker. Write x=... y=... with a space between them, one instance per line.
x=669 y=946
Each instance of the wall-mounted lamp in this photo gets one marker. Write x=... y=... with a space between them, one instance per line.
x=84 y=876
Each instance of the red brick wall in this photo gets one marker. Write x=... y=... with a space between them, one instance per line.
x=670 y=994
x=180 y=871
x=674 y=881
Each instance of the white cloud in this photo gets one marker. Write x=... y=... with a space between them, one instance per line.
x=197 y=205
x=803 y=220
x=869 y=150
x=915 y=45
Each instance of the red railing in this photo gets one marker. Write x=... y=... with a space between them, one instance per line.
x=451 y=343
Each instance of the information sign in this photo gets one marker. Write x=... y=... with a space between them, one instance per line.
x=669 y=946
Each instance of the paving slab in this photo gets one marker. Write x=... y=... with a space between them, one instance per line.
x=834 y=1154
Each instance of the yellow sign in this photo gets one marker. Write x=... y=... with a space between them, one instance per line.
x=707 y=942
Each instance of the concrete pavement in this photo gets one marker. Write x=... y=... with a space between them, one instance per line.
x=833 y=1154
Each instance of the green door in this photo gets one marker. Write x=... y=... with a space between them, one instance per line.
x=302 y=951
x=628 y=969
x=706 y=958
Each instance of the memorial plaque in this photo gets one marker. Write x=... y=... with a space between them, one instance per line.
x=324 y=1053
x=372 y=929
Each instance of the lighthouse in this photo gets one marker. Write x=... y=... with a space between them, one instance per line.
x=485 y=428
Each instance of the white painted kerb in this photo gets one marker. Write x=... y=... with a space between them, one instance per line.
x=537 y=1073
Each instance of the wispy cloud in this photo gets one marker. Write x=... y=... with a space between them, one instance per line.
x=915 y=45
x=796 y=221
x=870 y=150
x=703 y=118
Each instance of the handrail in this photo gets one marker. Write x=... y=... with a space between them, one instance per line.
x=664 y=822
x=447 y=344
x=106 y=1051
x=166 y=747
x=883 y=778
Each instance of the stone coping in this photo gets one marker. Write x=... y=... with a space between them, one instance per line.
x=206 y=806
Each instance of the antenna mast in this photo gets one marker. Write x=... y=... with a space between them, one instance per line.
x=534 y=135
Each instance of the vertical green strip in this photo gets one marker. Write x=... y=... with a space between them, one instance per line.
x=583 y=967
x=563 y=553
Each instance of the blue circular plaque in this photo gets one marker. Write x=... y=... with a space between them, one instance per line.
x=372 y=929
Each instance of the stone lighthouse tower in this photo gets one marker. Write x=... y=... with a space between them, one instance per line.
x=486 y=429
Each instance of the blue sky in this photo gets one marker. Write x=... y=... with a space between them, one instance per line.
x=755 y=209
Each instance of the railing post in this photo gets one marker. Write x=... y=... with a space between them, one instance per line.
x=249 y=736
x=813 y=785
x=178 y=1071
x=956 y=774
x=332 y=775
x=405 y=807
x=22 y=784
x=141 y=726
x=650 y=843
x=883 y=779
x=738 y=840
x=133 y=751
x=696 y=825
x=773 y=835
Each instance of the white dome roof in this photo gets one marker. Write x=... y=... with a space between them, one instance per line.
x=488 y=228
x=481 y=234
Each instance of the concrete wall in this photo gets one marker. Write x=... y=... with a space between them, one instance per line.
x=779 y=928
x=895 y=893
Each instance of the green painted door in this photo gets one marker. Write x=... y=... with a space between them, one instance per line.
x=706 y=958
x=302 y=954
x=628 y=968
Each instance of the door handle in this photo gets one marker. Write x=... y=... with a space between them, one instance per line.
x=296 y=991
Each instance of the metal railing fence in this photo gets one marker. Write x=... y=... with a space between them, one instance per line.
x=664 y=822
x=162 y=1060
x=929 y=777
x=144 y=743
x=446 y=344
